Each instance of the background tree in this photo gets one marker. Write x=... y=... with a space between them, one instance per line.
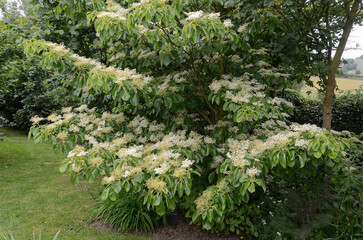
x=320 y=27
x=26 y=90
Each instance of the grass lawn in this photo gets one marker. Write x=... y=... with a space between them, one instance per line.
x=34 y=196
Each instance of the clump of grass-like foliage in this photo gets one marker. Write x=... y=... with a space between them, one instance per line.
x=127 y=213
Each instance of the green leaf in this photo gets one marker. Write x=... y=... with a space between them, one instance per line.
x=245 y=197
x=211 y=177
x=317 y=154
x=283 y=160
x=112 y=196
x=261 y=184
x=74 y=180
x=104 y=195
x=223 y=201
x=165 y=58
x=218 y=212
x=315 y=162
x=160 y=210
x=180 y=189
x=125 y=94
x=117 y=187
x=207 y=225
x=168 y=102
x=170 y=203
x=315 y=145
x=238 y=117
x=158 y=102
x=210 y=215
x=204 y=214
x=63 y=167
x=301 y=161
x=138 y=178
x=127 y=186
x=134 y=100
x=323 y=148
x=291 y=161
x=195 y=216
x=157 y=200
x=332 y=154
x=251 y=188
x=187 y=189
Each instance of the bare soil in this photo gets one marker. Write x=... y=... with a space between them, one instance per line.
x=182 y=231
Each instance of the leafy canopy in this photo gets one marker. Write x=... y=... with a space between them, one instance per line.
x=194 y=115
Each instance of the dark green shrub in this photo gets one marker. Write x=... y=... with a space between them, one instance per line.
x=26 y=90
x=31 y=92
x=329 y=206
x=127 y=213
x=347 y=205
x=238 y=220
x=347 y=110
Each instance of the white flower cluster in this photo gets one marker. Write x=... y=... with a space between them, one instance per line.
x=238 y=89
x=201 y=15
x=57 y=48
x=250 y=145
x=97 y=69
x=276 y=101
x=306 y=128
x=119 y=16
x=242 y=28
x=228 y=23
x=169 y=83
x=132 y=152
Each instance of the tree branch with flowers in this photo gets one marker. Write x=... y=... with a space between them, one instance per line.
x=207 y=116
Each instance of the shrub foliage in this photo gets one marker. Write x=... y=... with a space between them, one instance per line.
x=26 y=90
x=347 y=110
x=194 y=120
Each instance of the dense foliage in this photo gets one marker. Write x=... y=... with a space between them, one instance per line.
x=127 y=213
x=347 y=110
x=190 y=116
x=26 y=90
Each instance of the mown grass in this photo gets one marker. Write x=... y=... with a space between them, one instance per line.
x=34 y=196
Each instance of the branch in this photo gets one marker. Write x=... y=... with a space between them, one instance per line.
x=284 y=17
x=205 y=117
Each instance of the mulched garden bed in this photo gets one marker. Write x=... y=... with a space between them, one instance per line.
x=182 y=231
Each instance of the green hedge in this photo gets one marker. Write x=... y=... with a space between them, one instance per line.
x=347 y=110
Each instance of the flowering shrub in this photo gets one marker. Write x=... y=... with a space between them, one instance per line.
x=194 y=117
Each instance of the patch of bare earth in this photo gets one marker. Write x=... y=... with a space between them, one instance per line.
x=182 y=231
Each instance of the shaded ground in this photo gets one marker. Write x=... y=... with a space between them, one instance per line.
x=182 y=231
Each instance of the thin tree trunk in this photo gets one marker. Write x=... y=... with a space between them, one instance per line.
x=331 y=82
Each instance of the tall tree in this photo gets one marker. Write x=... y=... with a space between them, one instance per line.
x=317 y=29
x=351 y=11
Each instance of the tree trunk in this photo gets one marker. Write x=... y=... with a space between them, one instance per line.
x=331 y=82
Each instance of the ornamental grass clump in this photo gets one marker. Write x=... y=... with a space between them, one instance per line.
x=127 y=213
x=195 y=121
